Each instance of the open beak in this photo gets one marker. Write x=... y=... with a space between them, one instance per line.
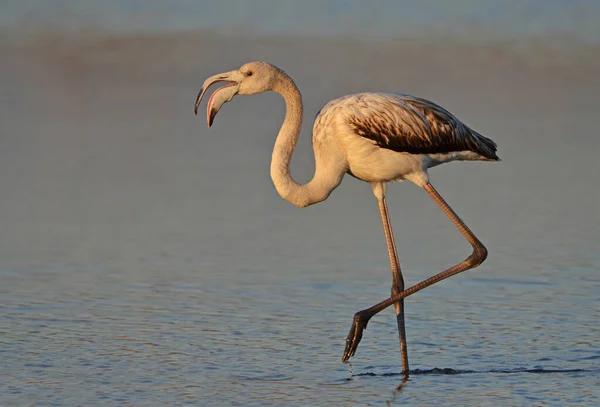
x=221 y=96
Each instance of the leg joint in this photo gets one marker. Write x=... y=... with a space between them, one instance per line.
x=363 y=317
x=478 y=256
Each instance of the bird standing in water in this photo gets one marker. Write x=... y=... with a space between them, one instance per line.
x=375 y=137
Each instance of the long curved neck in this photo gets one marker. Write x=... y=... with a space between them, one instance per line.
x=319 y=188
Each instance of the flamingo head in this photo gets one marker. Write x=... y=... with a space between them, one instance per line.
x=250 y=79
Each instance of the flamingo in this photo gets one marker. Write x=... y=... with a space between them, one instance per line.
x=376 y=138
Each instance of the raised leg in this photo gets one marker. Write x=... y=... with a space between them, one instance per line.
x=397 y=280
x=479 y=254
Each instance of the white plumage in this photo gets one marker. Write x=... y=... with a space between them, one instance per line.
x=375 y=137
x=391 y=137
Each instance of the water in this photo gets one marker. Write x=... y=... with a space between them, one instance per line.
x=472 y=20
x=265 y=337
x=145 y=260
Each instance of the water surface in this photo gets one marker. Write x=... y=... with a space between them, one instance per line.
x=145 y=260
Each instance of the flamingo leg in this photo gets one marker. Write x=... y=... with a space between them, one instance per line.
x=397 y=279
x=479 y=254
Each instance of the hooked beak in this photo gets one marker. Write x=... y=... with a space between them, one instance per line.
x=221 y=96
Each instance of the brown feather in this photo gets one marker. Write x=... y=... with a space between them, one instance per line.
x=418 y=126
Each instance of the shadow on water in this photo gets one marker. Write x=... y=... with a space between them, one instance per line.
x=448 y=371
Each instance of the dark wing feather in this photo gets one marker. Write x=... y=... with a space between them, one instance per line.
x=413 y=125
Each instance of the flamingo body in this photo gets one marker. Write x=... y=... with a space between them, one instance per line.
x=392 y=137
x=375 y=137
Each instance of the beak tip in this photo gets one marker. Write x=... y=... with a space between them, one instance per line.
x=198 y=99
x=211 y=117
